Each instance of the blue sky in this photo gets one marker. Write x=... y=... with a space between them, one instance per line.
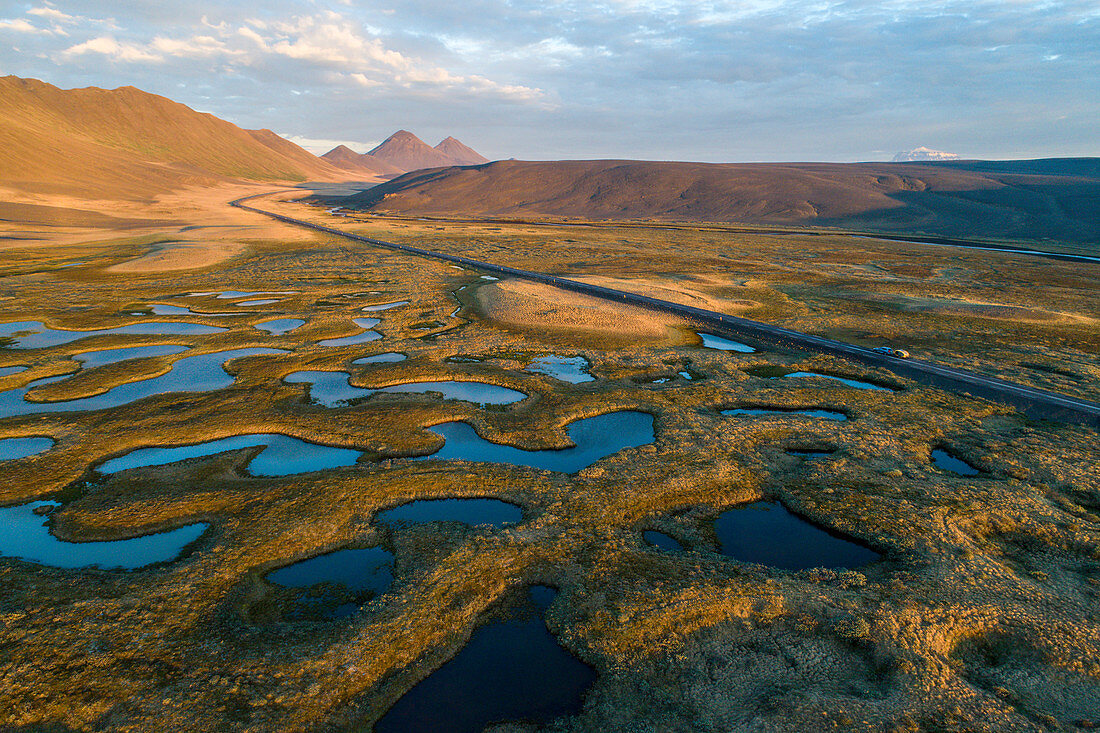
x=757 y=80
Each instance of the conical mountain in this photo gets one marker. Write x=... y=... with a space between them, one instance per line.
x=409 y=153
x=344 y=157
x=461 y=154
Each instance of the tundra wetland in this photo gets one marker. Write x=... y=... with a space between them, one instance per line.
x=978 y=607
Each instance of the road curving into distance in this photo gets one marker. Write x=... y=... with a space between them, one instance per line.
x=1036 y=403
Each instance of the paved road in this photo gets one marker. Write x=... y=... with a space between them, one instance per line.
x=1037 y=403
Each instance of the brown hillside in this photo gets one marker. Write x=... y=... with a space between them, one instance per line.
x=409 y=153
x=886 y=197
x=459 y=153
x=126 y=143
x=344 y=157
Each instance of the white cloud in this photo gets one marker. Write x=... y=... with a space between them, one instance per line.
x=320 y=146
x=108 y=46
x=20 y=25
x=53 y=14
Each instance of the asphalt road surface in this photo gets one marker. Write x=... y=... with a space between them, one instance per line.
x=1037 y=403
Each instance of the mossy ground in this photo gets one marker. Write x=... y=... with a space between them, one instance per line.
x=982 y=614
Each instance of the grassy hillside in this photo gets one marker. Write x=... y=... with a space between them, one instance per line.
x=1006 y=199
x=126 y=143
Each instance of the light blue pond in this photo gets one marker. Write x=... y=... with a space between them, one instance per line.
x=261 y=301
x=359 y=338
x=93 y=359
x=384 y=306
x=8 y=371
x=281 y=326
x=473 y=512
x=595 y=438
x=26 y=536
x=572 y=369
x=389 y=357
x=41 y=337
x=661 y=540
x=948 y=462
x=231 y=294
x=850 y=382
x=827 y=414
x=332 y=389
x=14 y=448
x=710 y=341
x=768 y=534
x=201 y=373
x=281 y=456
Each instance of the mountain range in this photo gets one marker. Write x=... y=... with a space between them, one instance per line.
x=403 y=152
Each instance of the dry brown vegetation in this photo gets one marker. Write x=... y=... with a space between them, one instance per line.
x=982 y=614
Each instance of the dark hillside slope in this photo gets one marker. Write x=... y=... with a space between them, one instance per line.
x=1010 y=200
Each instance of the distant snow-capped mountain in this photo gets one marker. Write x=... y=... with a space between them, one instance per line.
x=922 y=153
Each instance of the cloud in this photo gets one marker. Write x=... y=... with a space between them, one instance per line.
x=52 y=14
x=107 y=46
x=20 y=25
x=320 y=146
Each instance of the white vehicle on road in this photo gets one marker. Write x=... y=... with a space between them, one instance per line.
x=888 y=351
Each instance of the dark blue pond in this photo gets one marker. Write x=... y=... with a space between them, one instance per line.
x=281 y=456
x=572 y=369
x=661 y=540
x=359 y=338
x=361 y=573
x=36 y=335
x=201 y=373
x=808 y=412
x=850 y=382
x=768 y=534
x=948 y=462
x=15 y=448
x=595 y=438
x=93 y=359
x=389 y=357
x=512 y=670
x=710 y=341
x=26 y=535
x=281 y=326
x=473 y=512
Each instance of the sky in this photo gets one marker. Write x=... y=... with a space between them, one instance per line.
x=709 y=80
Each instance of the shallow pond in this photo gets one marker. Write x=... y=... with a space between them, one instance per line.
x=93 y=359
x=163 y=309
x=827 y=414
x=512 y=670
x=711 y=341
x=26 y=535
x=809 y=455
x=383 y=306
x=282 y=455
x=359 y=338
x=281 y=326
x=332 y=389
x=572 y=369
x=850 y=382
x=362 y=573
x=231 y=294
x=595 y=438
x=768 y=534
x=39 y=336
x=8 y=371
x=201 y=373
x=661 y=540
x=12 y=449
x=261 y=301
x=948 y=462
x=474 y=512
x=389 y=357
